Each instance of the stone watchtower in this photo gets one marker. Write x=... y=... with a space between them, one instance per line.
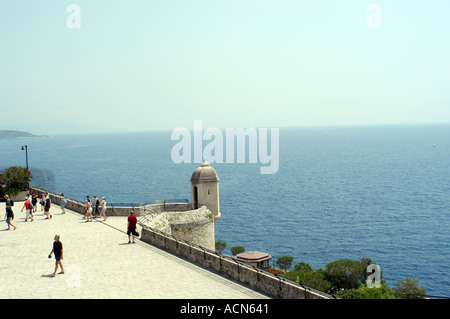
x=205 y=189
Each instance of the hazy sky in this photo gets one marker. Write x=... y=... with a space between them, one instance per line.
x=151 y=65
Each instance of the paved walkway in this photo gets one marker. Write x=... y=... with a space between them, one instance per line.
x=98 y=263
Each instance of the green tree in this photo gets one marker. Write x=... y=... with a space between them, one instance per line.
x=366 y=261
x=285 y=262
x=310 y=278
x=409 y=289
x=346 y=274
x=236 y=250
x=301 y=266
x=220 y=246
x=15 y=179
x=364 y=292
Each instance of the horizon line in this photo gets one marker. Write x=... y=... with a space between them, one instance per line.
x=318 y=126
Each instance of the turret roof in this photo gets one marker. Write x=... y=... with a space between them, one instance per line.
x=205 y=173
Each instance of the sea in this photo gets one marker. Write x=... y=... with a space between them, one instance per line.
x=345 y=192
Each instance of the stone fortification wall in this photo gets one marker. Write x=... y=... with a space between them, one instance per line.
x=196 y=226
x=257 y=279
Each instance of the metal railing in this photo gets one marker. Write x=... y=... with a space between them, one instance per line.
x=165 y=202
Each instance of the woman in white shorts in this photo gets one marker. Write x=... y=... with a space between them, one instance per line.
x=103 y=208
x=88 y=210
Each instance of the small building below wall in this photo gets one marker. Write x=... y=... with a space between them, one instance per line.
x=255 y=258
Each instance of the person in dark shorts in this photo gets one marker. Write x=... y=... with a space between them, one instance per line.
x=132 y=221
x=96 y=205
x=48 y=204
x=34 y=200
x=9 y=216
x=58 y=251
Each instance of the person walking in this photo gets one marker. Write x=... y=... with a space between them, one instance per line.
x=34 y=202
x=86 y=206
x=47 y=206
x=103 y=208
x=8 y=200
x=42 y=202
x=26 y=205
x=31 y=206
x=132 y=221
x=28 y=209
x=63 y=203
x=88 y=210
x=9 y=216
x=96 y=206
x=58 y=251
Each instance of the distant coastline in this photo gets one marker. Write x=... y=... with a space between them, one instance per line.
x=16 y=135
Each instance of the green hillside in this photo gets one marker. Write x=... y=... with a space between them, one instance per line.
x=8 y=135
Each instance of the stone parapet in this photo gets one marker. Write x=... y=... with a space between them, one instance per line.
x=258 y=279
x=80 y=207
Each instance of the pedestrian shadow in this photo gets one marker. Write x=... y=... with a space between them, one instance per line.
x=47 y=276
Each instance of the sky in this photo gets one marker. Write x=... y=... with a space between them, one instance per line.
x=118 y=66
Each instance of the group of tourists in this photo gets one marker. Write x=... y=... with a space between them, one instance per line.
x=96 y=210
x=30 y=206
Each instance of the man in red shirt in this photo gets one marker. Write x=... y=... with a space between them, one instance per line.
x=132 y=221
x=28 y=209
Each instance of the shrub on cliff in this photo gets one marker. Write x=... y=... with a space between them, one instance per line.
x=346 y=274
x=364 y=292
x=347 y=279
x=308 y=277
x=236 y=250
x=409 y=289
x=302 y=266
x=15 y=179
x=220 y=246
x=285 y=262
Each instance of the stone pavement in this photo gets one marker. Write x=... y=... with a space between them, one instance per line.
x=98 y=262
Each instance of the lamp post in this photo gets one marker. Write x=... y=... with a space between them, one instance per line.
x=26 y=153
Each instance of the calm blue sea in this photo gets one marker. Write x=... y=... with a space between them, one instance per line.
x=341 y=192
